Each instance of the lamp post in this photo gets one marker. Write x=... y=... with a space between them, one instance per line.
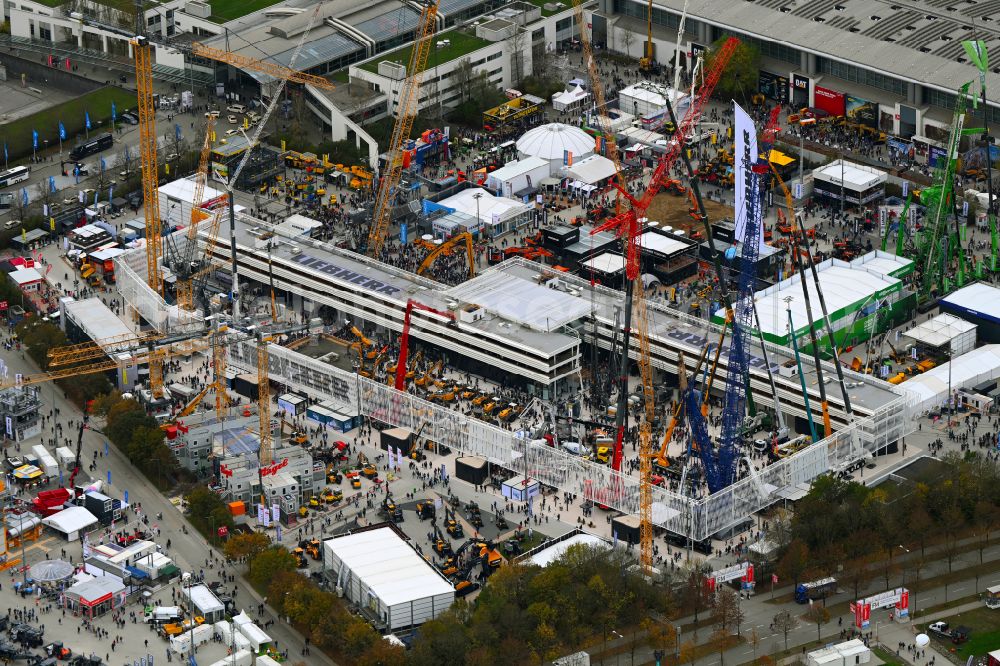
x=477 y=196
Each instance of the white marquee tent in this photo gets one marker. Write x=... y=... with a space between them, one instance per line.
x=568 y=99
x=931 y=388
x=552 y=141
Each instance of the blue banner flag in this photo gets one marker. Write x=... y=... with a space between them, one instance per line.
x=52 y=184
x=96 y=194
x=4 y=151
x=114 y=111
x=62 y=132
x=24 y=195
x=177 y=132
x=34 y=139
x=86 y=118
x=103 y=165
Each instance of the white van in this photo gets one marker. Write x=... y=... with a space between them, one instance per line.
x=10 y=224
x=236 y=108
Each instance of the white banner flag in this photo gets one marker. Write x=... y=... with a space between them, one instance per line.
x=745 y=155
x=390 y=454
x=399 y=458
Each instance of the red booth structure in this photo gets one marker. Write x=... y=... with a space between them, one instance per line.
x=95 y=597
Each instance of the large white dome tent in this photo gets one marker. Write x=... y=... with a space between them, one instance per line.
x=550 y=142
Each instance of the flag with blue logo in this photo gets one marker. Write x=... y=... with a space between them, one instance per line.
x=86 y=119
x=114 y=111
x=24 y=195
x=103 y=165
x=177 y=132
x=52 y=184
x=127 y=156
x=111 y=193
x=4 y=151
x=96 y=194
x=34 y=139
x=62 y=132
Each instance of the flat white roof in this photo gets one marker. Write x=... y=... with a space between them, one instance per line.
x=23 y=276
x=931 y=388
x=464 y=202
x=651 y=240
x=854 y=176
x=204 y=599
x=844 y=284
x=96 y=319
x=940 y=330
x=70 y=520
x=519 y=168
x=882 y=263
x=606 y=263
x=592 y=169
x=545 y=557
x=389 y=566
x=978 y=299
x=520 y=300
x=183 y=190
x=108 y=253
x=652 y=93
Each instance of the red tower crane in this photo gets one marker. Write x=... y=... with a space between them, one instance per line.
x=404 y=339
x=627 y=227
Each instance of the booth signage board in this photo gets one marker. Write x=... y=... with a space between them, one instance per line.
x=732 y=573
x=831 y=101
x=898 y=597
x=773 y=86
x=862 y=111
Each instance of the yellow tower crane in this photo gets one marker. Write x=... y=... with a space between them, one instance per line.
x=142 y=52
x=406 y=113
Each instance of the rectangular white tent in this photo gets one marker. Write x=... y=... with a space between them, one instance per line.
x=945 y=330
x=520 y=175
x=930 y=389
x=70 y=522
x=592 y=170
x=380 y=571
x=568 y=99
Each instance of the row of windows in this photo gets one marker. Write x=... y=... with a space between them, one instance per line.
x=860 y=75
x=946 y=100
x=767 y=48
x=661 y=16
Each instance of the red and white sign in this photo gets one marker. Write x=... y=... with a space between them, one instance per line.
x=898 y=598
x=774 y=579
x=831 y=101
x=743 y=571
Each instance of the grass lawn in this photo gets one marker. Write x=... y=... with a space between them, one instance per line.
x=985 y=625
x=17 y=133
x=889 y=658
x=227 y=10
x=461 y=44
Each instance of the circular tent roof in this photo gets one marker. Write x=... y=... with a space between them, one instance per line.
x=50 y=571
x=549 y=142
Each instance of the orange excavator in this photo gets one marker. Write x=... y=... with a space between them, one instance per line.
x=532 y=253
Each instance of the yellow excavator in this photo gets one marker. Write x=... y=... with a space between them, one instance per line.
x=446 y=247
x=363 y=343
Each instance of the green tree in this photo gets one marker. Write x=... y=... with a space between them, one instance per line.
x=739 y=78
x=795 y=561
x=270 y=563
x=207 y=512
x=726 y=612
x=38 y=337
x=695 y=595
x=818 y=615
x=444 y=641
x=246 y=545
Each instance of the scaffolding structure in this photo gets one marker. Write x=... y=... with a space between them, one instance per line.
x=698 y=517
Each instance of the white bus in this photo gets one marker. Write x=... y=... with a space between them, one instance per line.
x=18 y=174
